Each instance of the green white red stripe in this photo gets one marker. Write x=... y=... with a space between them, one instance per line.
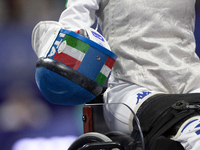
x=105 y=71
x=71 y=52
x=74 y=53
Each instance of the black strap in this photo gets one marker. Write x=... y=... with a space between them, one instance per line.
x=70 y=74
x=164 y=123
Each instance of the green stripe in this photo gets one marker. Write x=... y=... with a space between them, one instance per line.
x=76 y=43
x=101 y=79
x=66 y=4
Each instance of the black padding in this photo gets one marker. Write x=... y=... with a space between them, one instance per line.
x=160 y=113
x=70 y=74
x=156 y=105
x=163 y=143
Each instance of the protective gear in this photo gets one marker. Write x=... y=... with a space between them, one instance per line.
x=71 y=69
x=43 y=36
x=161 y=113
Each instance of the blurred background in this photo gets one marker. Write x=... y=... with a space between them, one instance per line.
x=25 y=116
x=27 y=120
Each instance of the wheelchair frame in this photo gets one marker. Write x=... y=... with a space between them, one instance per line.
x=97 y=134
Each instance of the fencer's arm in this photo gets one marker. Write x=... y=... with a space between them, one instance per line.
x=79 y=14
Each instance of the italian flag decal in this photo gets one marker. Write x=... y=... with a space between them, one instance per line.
x=71 y=52
x=89 y=60
x=105 y=71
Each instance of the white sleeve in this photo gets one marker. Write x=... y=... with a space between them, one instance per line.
x=80 y=14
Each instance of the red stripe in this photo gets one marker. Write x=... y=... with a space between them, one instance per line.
x=67 y=60
x=110 y=62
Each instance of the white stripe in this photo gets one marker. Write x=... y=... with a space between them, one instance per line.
x=74 y=53
x=105 y=70
x=62 y=47
x=61 y=35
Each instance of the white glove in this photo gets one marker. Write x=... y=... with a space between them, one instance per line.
x=45 y=32
x=43 y=36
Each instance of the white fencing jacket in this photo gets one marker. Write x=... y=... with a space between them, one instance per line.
x=153 y=39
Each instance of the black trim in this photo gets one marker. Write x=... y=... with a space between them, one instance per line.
x=70 y=74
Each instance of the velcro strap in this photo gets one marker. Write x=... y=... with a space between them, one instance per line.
x=156 y=105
